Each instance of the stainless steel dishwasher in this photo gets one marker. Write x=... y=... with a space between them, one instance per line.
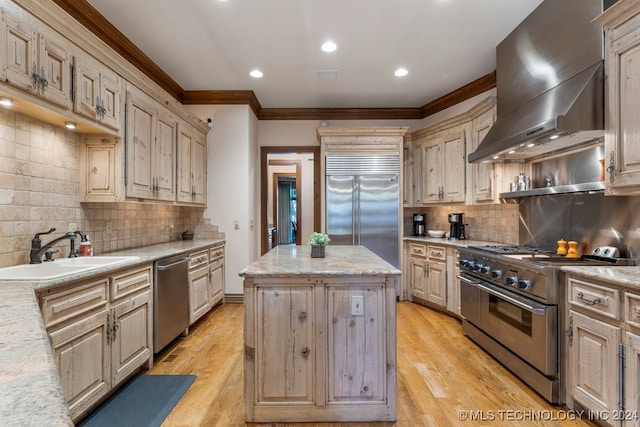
x=170 y=299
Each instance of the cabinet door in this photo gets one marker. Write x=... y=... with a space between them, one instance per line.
x=87 y=87
x=437 y=283
x=110 y=95
x=632 y=378
x=185 y=147
x=593 y=363
x=285 y=348
x=453 y=283
x=100 y=180
x=216 y=281
x=54 y=67
x=199 y=170
x=407 y=176
x=357 y=357
x=453 y=165
x=483 y=179
x=418 y=277
x=431 y=171
x=165 y=156
x=131 y=335
x=622 y=144
x=22 y=52
x=416 y=177
x=141 y=119
x=81 y=353
x=198 y=293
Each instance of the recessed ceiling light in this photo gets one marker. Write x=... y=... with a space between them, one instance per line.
x=6 y=102
x=401 y=72
x=511 y=151
x=496 y=157
x=256 y=74
x=531 y=144
x=552 y=137
x=329 y=46
x=70 y=125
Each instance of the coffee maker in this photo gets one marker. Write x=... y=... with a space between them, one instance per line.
x=418 y=224
x=457 y=231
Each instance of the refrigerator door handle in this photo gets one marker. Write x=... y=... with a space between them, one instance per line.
x=356 y=211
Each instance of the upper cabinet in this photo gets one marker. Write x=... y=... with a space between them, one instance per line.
x=36 y=60
x=97 y=92
x=482 y=174
x=192 y=165
x=622 y=111
x=151 y=149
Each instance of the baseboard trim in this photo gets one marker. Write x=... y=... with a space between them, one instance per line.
x=233 y=298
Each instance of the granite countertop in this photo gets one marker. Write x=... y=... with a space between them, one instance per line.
x=628 y=276
x=339 y=260
x=30 y=391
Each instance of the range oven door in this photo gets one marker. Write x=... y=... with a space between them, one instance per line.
x=526 y=327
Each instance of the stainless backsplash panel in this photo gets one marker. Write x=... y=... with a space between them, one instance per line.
x=583 y=166
x=590 y=219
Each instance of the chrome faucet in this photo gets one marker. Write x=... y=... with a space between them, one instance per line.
x=35 y=255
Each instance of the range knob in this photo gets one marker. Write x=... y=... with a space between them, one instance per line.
x=512 y=281
x=485 y=269
x=477 y=267
x=496 y=274
x=524 y=284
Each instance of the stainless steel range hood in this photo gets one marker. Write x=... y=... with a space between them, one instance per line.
x=550 y=85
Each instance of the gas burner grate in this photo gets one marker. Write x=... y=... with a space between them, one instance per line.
x=510 y=249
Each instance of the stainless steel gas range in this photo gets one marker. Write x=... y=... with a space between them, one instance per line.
x=511 y=298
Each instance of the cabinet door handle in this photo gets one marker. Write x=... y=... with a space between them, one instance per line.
x=115 y=327
x=108 y=328
x=35 y=77
x=305 y=352
x=612 y=167
x=596 y=300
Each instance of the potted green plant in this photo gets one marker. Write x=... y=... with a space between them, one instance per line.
x=318 y=242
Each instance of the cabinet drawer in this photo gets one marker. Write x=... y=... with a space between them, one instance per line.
x=418 y=249
x=130 y=281
x=632 y=309
x=437 y=252
x=60 y=306
x=216 y=252
x=594 y=298
x=198 y=259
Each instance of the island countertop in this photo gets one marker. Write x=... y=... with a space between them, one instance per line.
x=292 y=261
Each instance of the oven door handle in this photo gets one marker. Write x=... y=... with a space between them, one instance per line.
x=467 y=280
x=522 y=305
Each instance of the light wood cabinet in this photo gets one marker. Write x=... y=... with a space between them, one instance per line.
x=192 y=156
x=100 y=331
x=603 y=348
x=443 y=165
x=37 y=61
x=453 y=283
x=97 y=92
x=483 y=187
x=216 y=275
x=151 y=148
x=437 y=275
x=199 y=301
x=309 y=358
x=101 y=166
x=418 y=270
x=622 y=118
x=407 y=172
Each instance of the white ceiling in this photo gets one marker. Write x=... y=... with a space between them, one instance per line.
x=213 y=44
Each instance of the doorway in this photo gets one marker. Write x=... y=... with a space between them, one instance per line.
x=297 y=171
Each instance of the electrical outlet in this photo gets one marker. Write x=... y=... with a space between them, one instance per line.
x=236 y=225
x=357 y=305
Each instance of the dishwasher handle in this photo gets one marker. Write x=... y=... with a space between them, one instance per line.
x=173 y=264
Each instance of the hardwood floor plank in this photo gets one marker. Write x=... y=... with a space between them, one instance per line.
x=443 y=377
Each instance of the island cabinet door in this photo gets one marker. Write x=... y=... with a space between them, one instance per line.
x=285 y=350
x=356 y=344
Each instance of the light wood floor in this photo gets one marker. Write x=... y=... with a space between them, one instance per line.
x=443 y=377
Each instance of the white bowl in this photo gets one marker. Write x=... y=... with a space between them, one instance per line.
x=436 y=233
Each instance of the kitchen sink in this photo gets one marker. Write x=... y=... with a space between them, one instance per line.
x=61 y=267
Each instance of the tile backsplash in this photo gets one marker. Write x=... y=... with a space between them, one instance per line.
x=495 y=223
x=39 y=189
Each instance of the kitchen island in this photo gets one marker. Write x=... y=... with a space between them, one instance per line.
x=320 y=336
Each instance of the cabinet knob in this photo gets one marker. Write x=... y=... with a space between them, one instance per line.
x=305 y=352
x=302 y=316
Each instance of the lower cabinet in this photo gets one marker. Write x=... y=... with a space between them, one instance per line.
x=428 y=273
x=206 y=281
x=100 y=332
x=418 y=270
x=309 y=357
x=216 y=275
x=603 y=340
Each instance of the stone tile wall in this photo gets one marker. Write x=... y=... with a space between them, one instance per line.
x=496 y=223
x=39 y=189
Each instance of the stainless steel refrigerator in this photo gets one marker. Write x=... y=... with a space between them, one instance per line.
x=362 y=202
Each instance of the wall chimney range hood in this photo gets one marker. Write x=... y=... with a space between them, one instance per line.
x=550 y=85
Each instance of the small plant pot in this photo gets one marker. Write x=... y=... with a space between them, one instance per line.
x=317 y=251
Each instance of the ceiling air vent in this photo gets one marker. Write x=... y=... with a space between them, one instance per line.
x=327 y=74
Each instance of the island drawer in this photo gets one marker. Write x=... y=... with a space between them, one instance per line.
x=632 y=309
x=130 y=281
x=437 y=252
x=418 y=249
x=198 y=259
x=60 y=306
